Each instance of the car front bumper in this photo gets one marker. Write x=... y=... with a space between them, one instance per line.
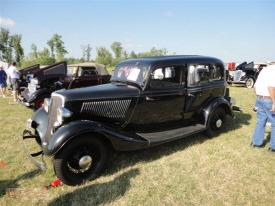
x=31 y=156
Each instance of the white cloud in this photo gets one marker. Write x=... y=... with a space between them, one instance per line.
x=168 y=13
x=6 y=22
x=129 y=45
x=128 y=40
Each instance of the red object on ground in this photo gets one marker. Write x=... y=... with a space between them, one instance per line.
x=56 y=183
x=53 y=184
x=3 y=164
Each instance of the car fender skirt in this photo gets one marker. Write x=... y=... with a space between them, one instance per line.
x=120 y=140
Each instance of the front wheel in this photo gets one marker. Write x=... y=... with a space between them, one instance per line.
x=216 y=123
x=249 y=83
x=80 y=160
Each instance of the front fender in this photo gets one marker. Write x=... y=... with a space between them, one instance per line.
x=120 y=140
x=245 y=78
x=38 y=92
x=40 y=122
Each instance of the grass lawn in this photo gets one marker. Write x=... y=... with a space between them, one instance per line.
x=192 y=171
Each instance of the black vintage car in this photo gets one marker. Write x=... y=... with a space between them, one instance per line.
x=59 y=76
x=149 y=101
x=245 y=74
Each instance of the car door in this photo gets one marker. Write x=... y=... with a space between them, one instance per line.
x=163 y=101
x=203 y=82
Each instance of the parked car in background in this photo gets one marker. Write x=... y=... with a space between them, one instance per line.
x=26 y=75
x=246 y=74
x=61 y=75
x=149 y=101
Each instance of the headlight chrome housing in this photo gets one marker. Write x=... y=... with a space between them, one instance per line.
x=63 y=114
x=47 y=103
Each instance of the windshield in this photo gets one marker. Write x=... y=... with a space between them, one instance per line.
x=130 y=73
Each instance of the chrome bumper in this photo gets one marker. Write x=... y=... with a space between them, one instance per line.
x=40 y=164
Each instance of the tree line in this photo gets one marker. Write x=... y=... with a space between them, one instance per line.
x=11 y=50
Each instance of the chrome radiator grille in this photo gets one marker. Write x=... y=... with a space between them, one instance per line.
x=237 y=75
x=111 y=109
x=55 y=103
x=32 y=87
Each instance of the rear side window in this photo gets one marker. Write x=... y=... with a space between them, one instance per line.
x=217 y=73
x=198 y=74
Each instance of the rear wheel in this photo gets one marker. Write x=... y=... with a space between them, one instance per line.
x=39 y=101
x=80 y=160
x=249 y=83
x=216 y=123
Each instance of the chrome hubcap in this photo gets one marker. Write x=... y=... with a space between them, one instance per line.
x=85 y=161
x=218 y=123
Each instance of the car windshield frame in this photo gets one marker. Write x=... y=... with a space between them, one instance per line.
x=130 y=73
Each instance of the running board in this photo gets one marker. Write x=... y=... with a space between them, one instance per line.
x=170 y=135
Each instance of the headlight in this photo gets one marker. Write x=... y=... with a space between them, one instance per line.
x=63 y=114
x=46 y=105
x=243 y=73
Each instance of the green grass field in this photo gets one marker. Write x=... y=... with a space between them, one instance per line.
x=192 y=171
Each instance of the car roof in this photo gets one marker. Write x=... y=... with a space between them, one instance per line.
x=173 y=59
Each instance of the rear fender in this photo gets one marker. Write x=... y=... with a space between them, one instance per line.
x=211 y=106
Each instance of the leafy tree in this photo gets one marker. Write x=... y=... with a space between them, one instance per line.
x=117 y=49
x=57 y=47
x=51 y=45
x=43 y=58
x=132 y=55
x=125 y=54
x=34 y=50
x=83 y=47
x=153 y=52
x=103 y=56
x=86 y=52
x=18 y=50
x=72 y=60
x=5 y=47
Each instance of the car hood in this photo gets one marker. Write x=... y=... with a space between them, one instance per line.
x=53 y=71
x=100 y=92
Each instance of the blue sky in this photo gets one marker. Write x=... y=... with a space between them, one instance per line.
x=234 y=31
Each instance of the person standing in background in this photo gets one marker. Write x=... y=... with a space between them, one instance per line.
x=265 y=104
x=3 y=81
x=14 y=75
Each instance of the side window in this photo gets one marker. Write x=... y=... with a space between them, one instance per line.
x=218 y=72
x=166 y=76
x=87 y=71
x=198 y=74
